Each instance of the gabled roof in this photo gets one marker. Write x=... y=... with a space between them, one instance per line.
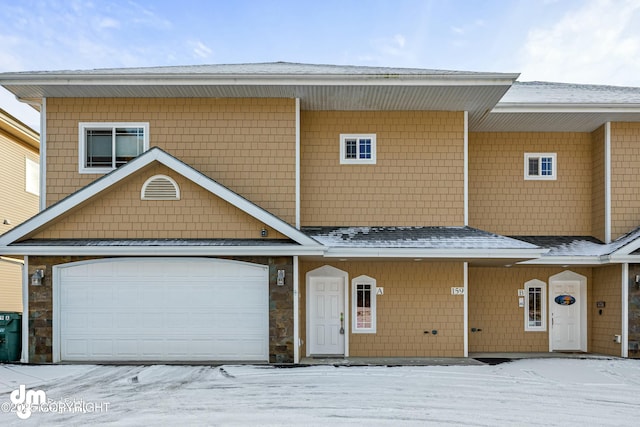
x=302 y=241
x=19 y=130
x=585 y=249
x=319 y=87
x=431 y=242
x=561 y=107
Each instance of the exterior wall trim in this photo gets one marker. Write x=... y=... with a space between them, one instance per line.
x=24 y=358
x=296 y=309
x=607 y=182
x=298 y=151
x=624 y=351
x=466 y=309
x=466 y=168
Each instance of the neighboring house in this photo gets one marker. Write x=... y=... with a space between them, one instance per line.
x=269 y=212
x=19 y=176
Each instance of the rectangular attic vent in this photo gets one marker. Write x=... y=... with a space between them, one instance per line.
x=160 y=187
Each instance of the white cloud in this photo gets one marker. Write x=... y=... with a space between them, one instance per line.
x=395 y=46
x=597 y=43
x=201 y=50
x=108 y=23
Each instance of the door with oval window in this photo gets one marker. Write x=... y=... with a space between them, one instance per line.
x=567 y=312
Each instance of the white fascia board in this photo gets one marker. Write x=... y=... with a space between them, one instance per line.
x=288 y=250
x=156 y=79
x=562 y=260
x=627 y=249
x=622 y=259
x=507 y=107
x=432 y=253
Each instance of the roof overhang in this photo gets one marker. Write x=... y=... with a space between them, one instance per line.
x=262 y=250
x=507 y=117
x=560 y=107
x=317 y=87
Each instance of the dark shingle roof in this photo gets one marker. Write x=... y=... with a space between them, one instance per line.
x=413 y=237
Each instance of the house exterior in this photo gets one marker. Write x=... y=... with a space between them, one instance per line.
x=19 y=174
x=271 y=212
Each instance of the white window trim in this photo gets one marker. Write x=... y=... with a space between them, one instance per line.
x=32 y=176
x=82 y=126
x=343 y=151
x=363 y=280
x=535 y=283
x=539 y=177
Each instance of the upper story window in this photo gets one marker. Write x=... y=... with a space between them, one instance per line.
x=364 y=304
x=357 y=149
x=535 y=305
x=106 y=146
x=540 y=166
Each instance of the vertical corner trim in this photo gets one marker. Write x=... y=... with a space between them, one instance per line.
x=466 y=168
x=607 y=182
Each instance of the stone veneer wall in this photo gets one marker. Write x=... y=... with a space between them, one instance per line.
x=280 y=307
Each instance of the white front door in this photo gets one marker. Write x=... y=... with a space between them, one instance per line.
x=326 y=307
x=566 y=301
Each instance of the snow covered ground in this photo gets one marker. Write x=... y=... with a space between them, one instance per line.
x=549 y=392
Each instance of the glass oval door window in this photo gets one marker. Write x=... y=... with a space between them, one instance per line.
x=565 y=300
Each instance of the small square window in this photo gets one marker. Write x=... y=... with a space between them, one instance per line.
x=540 y=166
x=107 y=146
x=357 y=149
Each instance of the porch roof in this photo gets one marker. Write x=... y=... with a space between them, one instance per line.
x=433 y=237
x=421 y=242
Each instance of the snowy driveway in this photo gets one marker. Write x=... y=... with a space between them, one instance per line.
x=545 y=392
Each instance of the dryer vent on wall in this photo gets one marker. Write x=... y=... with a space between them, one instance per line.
x=160 y=187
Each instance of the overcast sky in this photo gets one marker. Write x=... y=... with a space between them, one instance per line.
x=579 y=41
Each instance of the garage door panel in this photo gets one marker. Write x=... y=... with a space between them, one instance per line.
x=164 y=309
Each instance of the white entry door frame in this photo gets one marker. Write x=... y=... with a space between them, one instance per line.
x=568 y=312
x=327 y=296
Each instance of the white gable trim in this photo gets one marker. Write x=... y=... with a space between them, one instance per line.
x=154 y=154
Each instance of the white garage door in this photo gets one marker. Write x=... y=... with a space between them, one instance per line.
x=162 y=309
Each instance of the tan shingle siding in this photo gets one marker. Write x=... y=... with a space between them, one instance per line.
x=625 y=182
x=493 y=307
x=502 y=201
x=607 y=287
x=417 y=179
x=247 y=145
x=120 y=213
x=417 y=298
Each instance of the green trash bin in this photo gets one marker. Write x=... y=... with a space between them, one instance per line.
x=10 y=336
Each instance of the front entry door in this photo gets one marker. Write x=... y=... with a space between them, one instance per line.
x=566 y=322
x=326 y=316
